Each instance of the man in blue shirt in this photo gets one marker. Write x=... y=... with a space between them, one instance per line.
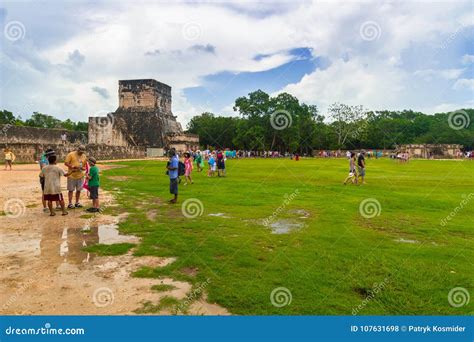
x=173 y=174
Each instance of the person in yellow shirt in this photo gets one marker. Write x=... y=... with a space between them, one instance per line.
x=76 y=163
x=9 y=158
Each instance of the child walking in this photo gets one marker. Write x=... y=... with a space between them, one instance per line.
x=52 y=185
x=188 y=168
x=93 y=185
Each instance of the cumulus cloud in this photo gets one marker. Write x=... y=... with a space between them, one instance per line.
x=468 y=59
x=82 y=46
x=464 y=83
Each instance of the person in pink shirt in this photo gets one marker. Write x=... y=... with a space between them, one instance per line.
x=188 y=168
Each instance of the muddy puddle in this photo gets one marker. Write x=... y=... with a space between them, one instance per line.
x=285 y=226
x=46 y=271
x=219 y=215
x=401 y=240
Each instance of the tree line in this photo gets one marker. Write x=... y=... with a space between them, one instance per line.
x=282 y=123
x=42 y=121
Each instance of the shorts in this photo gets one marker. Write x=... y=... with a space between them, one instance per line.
x=56 y=197
x=361 y=171
x=187 y=172
x=213 y=168
x=174 y=186
x=74 y=184
x=42 y=183
x=94 y=192
x=220 y=165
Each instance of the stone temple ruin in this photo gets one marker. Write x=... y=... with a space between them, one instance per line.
x=143 y=119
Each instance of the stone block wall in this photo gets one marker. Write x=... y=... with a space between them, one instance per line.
x=30 y=153
x=31 y=135
x=104 y=130
x=147 y=93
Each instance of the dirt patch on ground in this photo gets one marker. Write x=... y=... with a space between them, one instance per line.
x=151 y=214
x=190 y=271
x=45 y=270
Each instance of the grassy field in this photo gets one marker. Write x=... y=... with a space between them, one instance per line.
x=392 y=255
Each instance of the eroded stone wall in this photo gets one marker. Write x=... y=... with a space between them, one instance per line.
x=104 y=130
x=148 y=93
x=32 y=135
x=30 y=153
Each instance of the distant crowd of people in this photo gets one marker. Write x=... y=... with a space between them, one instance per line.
x=83 y=173
x=175 y=168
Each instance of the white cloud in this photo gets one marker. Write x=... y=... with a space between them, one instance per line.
x=468 y=59
x=376 y=86
x=114 y=38
x=464 y=83
x=430 y=74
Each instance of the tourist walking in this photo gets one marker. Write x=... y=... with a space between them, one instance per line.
x=9 y=158
x=352 y=169
x=172 y=172
x=188 y=168
x=361 y=166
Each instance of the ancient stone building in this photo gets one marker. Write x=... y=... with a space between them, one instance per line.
x=143 y=118
x=431 y=150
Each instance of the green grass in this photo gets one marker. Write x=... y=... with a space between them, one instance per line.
x=335 y=260
x=163 y=287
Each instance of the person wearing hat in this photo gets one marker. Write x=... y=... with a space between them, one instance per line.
x=76 y=163
x=43 y=161
x=93 y=183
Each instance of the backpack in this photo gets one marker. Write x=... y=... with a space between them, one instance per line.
x=181 y=168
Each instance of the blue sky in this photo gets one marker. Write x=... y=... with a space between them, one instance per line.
x=66 y=60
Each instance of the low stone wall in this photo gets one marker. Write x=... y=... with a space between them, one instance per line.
x=10 y=134
x=30 y=153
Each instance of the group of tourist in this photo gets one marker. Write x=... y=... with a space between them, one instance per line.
x=215 y=160
x=82 y=173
